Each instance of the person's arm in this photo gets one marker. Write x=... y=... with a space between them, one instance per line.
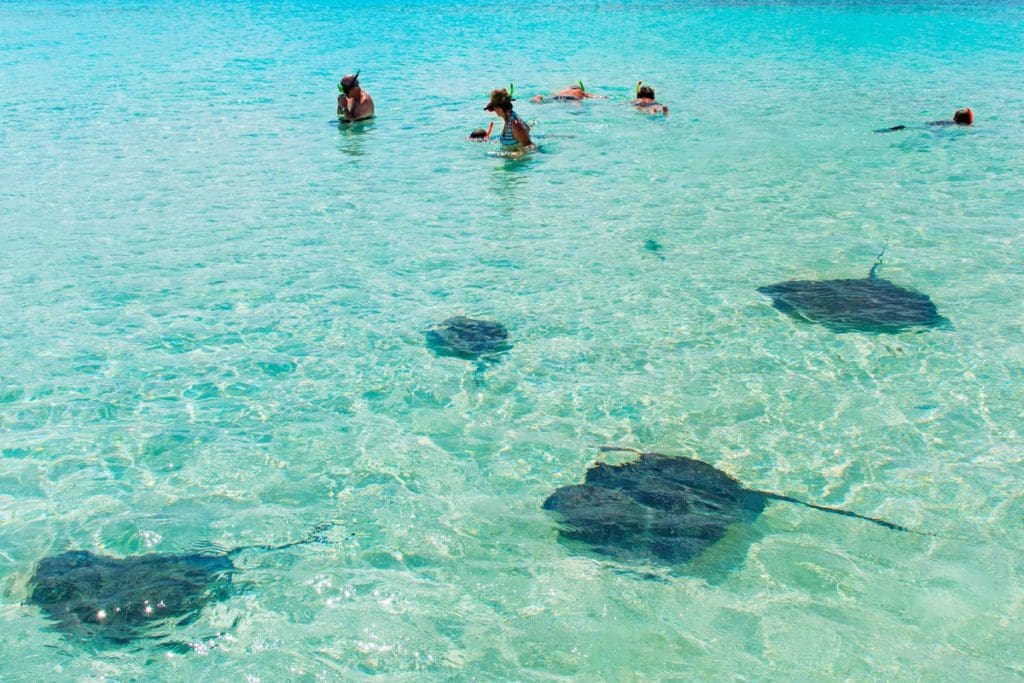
x=521 y=133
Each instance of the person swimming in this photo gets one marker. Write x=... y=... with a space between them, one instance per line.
x=481 y=135
x=645 y=101
x=515 y=136
x=574 y=93
x=961 y=117
x=354 y=104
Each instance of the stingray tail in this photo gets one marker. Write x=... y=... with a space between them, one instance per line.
x=878 y=261
x=846 y=513
x=317 y=534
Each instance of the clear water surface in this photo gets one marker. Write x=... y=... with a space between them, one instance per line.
x=213 y=304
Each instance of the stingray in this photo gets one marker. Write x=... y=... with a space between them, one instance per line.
x=661 y=508
x=468 y=338
x=121 y=599
x=868 y=304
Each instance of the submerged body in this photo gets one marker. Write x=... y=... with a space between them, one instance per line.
x=868 y=304
x=650 y=106
x=121 y=599
x=661 y=508
x=468 y=338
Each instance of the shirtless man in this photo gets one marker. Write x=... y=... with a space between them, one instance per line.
x=574 y=93
x=354 y=104
x=961 y=117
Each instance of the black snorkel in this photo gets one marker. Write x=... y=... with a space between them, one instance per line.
x=344 y=89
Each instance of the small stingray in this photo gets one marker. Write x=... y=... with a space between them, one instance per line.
x=653 y=246
x=121 y=599
x=661 y=508
x=868 y=304
x=468 y=338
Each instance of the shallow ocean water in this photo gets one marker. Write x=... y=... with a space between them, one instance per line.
x=213 y=304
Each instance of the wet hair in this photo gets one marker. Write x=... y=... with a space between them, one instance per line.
x=478 y=134
x=349 y=81
x=501 y=99
x=645 y=92
x=964 y=117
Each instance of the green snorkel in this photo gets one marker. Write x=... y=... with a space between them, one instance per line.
x=582 y=89
x=638 y=84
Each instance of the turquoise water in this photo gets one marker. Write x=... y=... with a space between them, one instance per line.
x=213 y=305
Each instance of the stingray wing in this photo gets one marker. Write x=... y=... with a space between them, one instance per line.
x=615 y=524
x=468 y=337
x=120 y=599
x=866 y=304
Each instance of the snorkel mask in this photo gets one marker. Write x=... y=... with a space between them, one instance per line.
x=344 y=89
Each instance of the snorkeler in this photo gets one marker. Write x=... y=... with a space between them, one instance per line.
x=961 y=117
x=515 y=136
x=574 y=93
x=354 y=103
x=481 y=135
x=645 y=101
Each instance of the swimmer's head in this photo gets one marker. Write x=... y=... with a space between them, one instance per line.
x=964 y=117
x=478 y=134
x=645 y=92
x=349 y=82
x=500 y=99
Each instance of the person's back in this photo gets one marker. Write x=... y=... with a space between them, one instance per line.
x=574 y=93
x=354 y=103
x=961 y=117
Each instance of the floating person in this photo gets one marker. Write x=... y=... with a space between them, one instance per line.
x=574 y=93
x=661 y=508
x=868 y=304
x=120 y=599
x=515 y=135
x=468 y=338
x=354 y=103
x=961 y=117
x=645 y=101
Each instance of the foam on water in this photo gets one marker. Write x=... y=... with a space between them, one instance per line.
x=213 y=306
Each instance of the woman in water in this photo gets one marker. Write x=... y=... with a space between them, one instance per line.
x=515 y=136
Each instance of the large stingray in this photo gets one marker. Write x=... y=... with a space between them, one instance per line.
x=120 y=599
x=661 y=508
x=468 y=338
x=868 y=304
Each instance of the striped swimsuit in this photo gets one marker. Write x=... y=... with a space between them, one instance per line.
x=508 y=139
